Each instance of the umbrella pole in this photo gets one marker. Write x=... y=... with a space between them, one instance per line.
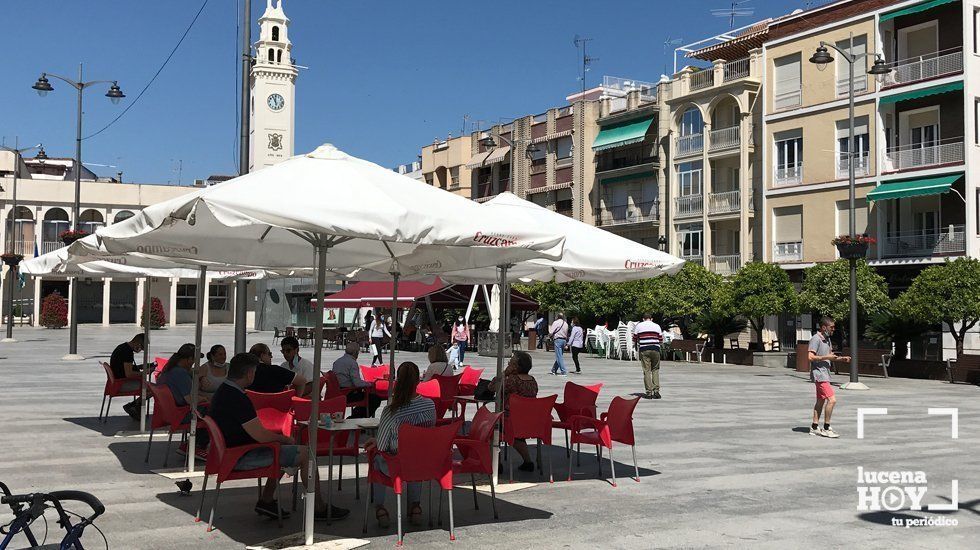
x=144 y=407
x=499 y=403
x=241 y=314
x=321 y=282
x=394 y=332
x=202 y=280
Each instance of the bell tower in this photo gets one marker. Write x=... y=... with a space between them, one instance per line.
x=273 y=91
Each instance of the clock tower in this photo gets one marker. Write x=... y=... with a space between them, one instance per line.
x=273 y=87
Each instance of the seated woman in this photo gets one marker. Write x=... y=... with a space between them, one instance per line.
x=215 y=370
x=405 y=406
x=176 y=375
x=438 y=363
x=517 y=381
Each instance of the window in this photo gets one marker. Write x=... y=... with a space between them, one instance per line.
x=278 y=56
x=275 y=33
x=563 y=202
x=272 y=55
x=860 y=217
x=689 y=178
x=563 y=147
x=691 y=122
x=428 y=179
x=861 y=146
x=787 y=233
x=976 y=30
x=787 y=80
x=976 y=121
x=186 y=296
x=218 y=297
x=690 y=239
x=454 y=176
x=789 y=157
x=122 y=215
x=860 y=76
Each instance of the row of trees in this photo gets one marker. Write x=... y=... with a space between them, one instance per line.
x=701 y=302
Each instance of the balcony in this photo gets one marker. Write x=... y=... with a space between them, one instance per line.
x=925 y=67
x=24 y=248
x=619 y=158
x=726 y=264
x=735 y=70
x=791 y=174
x=904 y=244
x=689 y=206
x=725 y=138
x=690 y=144
x=50 y=246
x=629 y=214
x=693 y=258
x=702 y=79
x=861 y=165
x=788 y=252
x=912 y=157
x=724 y=203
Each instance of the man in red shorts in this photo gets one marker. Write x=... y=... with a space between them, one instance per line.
x=821 y=355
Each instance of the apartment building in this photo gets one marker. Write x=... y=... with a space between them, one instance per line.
x=444 y=164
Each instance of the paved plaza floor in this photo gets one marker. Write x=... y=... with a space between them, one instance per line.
x=725 y=461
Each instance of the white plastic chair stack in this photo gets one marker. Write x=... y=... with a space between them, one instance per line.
x=631 y=330
x=590 y=340
x=623 y=340
x=612 y=348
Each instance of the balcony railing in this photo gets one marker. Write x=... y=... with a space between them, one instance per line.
x=791 y=174
x=950 y=240
x=791 y=251
x=726 y=264
x=689 y=206
x=702 y=79
x=861 y=164
x=693 y=258
x=908 y=157
x=50 y=246
x=24 y=248
x=925 y=67
x=630 y=213
x=728 y=201
x=737 y=69
x=617 y=104
x=725 y=138
x=690 y=144
x=626 y=158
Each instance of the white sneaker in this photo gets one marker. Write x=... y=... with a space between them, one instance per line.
x=816 y=431
x=829 y=432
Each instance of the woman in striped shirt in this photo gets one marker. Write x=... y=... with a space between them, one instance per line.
x=404 y=407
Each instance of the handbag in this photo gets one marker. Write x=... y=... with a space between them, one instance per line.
x=483 y=390
x=374 y=350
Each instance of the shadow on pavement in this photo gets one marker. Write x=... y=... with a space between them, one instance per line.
x=113 y=425
x=131 y=453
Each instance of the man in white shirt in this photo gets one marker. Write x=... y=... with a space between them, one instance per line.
x=293 y=362
x=648 y=336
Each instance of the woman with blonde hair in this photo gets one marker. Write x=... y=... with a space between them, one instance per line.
x=438 y=363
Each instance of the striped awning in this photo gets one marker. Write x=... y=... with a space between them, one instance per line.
x=549 y=137
x=920 y=7
x=624 y=133
x=924 y=92
x=546 y=188
x=478 y=160
x=497 y=155
x=914 y=188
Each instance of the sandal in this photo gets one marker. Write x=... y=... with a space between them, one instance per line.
x=415 y=515
x=383 y=519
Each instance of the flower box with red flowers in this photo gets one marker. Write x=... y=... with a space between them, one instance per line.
x=71 y=236
x=850 y=248
x=11 y=259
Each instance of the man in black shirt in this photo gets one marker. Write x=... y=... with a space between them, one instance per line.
x=122 y=362
x=238 y=422
x=271 y=378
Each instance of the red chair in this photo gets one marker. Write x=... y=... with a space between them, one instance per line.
x=331 y=384
x=579 y=401
x=530 y=417
x=433 y=391
x=424 y=454
x=342 y=444
x=167 y=414
x=221 y=462
x=476 y=451
x=272 y=408
x=113 y=388
x=614 y=425
x=159 y=363
x=469 y=380
x=375 y=375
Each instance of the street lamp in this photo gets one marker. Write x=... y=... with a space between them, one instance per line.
x=115 y=94
x=12 y=272
x=821 y=57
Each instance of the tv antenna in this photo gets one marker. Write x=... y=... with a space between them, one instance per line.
x=670 y=44
x=734 y=11
x=582 y=42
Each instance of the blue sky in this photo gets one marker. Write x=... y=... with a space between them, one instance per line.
x=385 y=76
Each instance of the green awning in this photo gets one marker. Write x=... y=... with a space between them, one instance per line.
x=923 y=6
x=628 y=177
x=914 y=188
x=924 y=92
x=624 y=133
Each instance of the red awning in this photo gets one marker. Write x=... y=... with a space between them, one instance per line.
x=440 y=294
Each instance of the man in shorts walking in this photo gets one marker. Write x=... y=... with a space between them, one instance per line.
x=821 y=356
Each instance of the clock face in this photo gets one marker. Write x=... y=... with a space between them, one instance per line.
x=276 y=102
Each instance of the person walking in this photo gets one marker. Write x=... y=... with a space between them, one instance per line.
x=821 y=355
x=540 y=329
x=647 y=336
x=461 y=337
x=576 y=343
x=379 y=330
x=368 y=319
x=559 y=335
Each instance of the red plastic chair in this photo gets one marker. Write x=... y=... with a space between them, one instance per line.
x=530 y=417
x=433 y=390
x=469 y=380
x=272 y=408
x=160 y=363
x=342 y=444
x=166 y=414
x=476 y=451
x=579 y=401
x=424 y=454
x=375 y=375
x=113 y=388
x=221 y=462
x=331 y=384
x=614 y=425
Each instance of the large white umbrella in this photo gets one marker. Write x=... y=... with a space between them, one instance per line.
x=336 y=211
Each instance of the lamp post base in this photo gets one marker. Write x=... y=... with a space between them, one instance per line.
x=8 y=341
x=73 y=357
x=854 y=386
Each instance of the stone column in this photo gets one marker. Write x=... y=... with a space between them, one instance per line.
x=37 y=300
x=172 y=318
x=106 y=289
x=207 y=298
x=141 y=289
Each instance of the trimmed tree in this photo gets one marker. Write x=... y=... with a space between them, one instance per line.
x=759 y=290
x=157 y=317
x=719 y=319
x=897 y=324
x=681 y=297
x=54 y=311
x=826 y=291
x=949 y=294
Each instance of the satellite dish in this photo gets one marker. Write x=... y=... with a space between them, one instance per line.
x=274 y=296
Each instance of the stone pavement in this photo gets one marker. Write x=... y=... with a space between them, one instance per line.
x=725 y=461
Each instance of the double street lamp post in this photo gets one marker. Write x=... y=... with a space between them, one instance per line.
x=822 y=58
x=12 y=234
x=42 y=86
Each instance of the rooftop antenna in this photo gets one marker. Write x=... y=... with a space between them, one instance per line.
x=669 y=44
x=582 y=42
x=734 y=11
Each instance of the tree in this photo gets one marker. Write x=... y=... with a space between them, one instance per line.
x=826 y=291
x=719 y=319
x=759 y=290
x=157 y=317
x=897 y=324
x=54 y=311
x=948 y=293
x=586 y=300
x=681 y=297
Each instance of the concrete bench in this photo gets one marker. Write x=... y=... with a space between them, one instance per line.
x=688 y=348
x=966 y=368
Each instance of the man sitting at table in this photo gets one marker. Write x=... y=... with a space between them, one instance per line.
x=238 y=422
x=349 y=375
x=293 y=362
x=122 y=363
x=270 y=378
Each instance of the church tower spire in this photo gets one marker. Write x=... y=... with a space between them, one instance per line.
x=273 y=84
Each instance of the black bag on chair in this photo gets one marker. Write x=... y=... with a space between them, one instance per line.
x=483 y=390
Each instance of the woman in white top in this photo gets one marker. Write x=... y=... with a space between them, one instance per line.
x=379 y=330
x=576 y=341
x=438 y=363
x=215 y=370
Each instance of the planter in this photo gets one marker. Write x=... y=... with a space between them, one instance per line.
x=852 y=251
x=12 y=259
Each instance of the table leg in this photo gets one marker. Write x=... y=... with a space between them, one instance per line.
x=329 y=473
